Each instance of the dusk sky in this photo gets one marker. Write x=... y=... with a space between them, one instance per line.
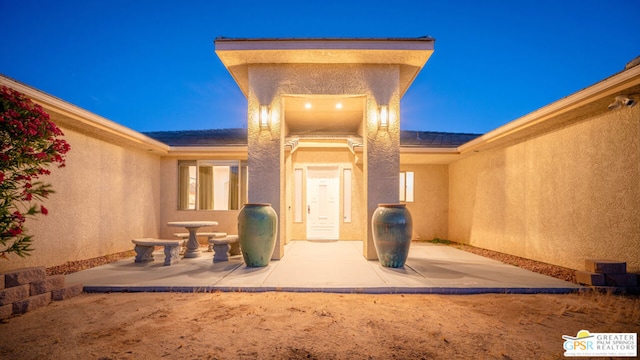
x=150 y=65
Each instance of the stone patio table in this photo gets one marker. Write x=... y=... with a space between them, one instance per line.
x=193 y=247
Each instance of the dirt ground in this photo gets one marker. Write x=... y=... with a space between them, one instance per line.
x=279 y=325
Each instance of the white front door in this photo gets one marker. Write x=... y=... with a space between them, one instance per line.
x=323 y=194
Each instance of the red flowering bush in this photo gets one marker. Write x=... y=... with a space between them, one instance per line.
x=29 y=143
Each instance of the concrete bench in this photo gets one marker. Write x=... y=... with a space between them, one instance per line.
x=144 y=249
x=209 y=235
x=221 y=247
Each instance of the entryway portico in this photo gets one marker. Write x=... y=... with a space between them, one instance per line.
x=324 y=128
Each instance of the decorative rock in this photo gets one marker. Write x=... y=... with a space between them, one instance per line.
x=6 y=311
x=603 y=266
x=67 y=292
x=49 y=284
x=589 y=278
x=31 y=303
x=25 y=276
x=13 y=294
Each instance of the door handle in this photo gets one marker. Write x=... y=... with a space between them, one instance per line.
x=308 y=209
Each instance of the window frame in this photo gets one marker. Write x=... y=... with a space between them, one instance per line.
x=406 y=186
x=242 y=182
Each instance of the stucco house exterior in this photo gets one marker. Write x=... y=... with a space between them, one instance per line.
x=323 y=144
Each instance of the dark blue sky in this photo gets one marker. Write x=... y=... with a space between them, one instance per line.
x=150 y=65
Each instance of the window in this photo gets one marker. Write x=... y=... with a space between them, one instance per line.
x=212 y=185
x=406 y=186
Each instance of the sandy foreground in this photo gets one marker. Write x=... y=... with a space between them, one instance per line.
x=279 y=325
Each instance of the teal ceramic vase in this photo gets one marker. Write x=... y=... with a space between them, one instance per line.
x=392 y=228
x=257 y=229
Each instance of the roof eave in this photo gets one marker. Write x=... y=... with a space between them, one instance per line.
x=233 y=151
x=68 y=115
x=602 y=92
x=411 y=54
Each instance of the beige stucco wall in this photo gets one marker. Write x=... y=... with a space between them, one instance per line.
x=559 y=197
x=269 y=82
x=381 y=151
x=430 y=210
x=105 y=196
x=344 y=159
x=227 y=219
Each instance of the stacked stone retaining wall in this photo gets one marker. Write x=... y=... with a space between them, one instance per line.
x=28 y=289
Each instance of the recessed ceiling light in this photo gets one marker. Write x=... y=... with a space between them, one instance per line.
x=339 y=106
x=307 y=106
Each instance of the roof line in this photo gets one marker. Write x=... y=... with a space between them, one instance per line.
x=420 y=38
x=602 y=89
x=84 y=120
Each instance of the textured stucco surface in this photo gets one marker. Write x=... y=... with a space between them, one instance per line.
x=559 y=197
x=382 y=156
x=227 y=219
x=269 y=82
x=430 y=210
x=105 y=196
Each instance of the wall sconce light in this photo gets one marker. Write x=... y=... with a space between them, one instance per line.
x=383 y=116
x=622 y=100
x=264 y=116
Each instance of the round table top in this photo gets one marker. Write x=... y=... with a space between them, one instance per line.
x=192 y=224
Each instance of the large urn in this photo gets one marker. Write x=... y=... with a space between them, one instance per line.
x=392 y=228
x=257 y=229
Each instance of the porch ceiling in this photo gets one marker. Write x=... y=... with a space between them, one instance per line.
x=411 y=54
x=323 y=114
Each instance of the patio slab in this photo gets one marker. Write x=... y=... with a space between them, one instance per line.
x=326 y=267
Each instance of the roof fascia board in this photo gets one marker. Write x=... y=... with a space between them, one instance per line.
x=428 y=150
x=232 y=151
x=237 y=54
x=325 y=44
x=199 y=150
x=604 y=88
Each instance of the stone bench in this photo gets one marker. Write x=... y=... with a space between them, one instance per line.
x=222 y=247
x=144 y=249
x=209 y=235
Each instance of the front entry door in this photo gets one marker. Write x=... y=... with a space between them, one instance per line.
x=323 y=194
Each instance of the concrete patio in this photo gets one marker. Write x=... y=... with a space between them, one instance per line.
x=337 y=267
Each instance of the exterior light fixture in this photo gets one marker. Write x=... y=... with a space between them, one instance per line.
x=264 y=116
x=307 y=106
x=339 y=106
x=383 y=116
x=622 y=100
